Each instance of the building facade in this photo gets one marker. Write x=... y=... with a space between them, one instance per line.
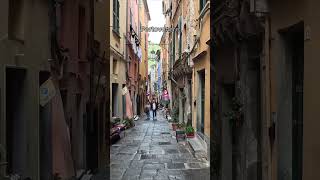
x=133 y=51
x=143 y=66
x=200 y=60
x=46 y=73
x=25 y=55
x=188 y=55
x=118 y=62
x=265 y=64
x=153 y=62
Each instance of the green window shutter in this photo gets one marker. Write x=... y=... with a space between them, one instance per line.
x=180 y=37
x=118 y=17
x=202 y=4
x=114 y=14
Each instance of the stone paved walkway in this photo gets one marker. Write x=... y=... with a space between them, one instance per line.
x=150 y=151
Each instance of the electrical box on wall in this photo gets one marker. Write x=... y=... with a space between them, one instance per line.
x=307 y=33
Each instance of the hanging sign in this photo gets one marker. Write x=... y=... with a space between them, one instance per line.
x=47 y=92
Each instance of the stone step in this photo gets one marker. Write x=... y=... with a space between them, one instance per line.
x=80 y=173
x=86 y=177
x=199 y=151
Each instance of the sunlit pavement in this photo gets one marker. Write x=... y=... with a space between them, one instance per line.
x=150 y=151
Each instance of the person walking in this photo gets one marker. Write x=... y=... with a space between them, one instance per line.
x=150 y=110
x=154 y=109
x=147 y=110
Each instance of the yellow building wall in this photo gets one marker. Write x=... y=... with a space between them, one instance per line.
x=118 y=41
x=200 y=64
x=144 y=22
x=117 y=52
x=308 y=12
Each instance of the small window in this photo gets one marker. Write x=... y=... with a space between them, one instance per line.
x=16 y=20
x=115 y=66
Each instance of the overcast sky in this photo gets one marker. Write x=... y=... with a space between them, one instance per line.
x=157 y=19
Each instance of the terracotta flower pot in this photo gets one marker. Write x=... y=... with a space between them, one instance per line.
x=174 y=126
x=190 y=135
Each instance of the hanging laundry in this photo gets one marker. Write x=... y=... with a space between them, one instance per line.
x=129 y=112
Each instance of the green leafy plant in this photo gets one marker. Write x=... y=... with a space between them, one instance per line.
x=128 y=122
x=189 y=130
x=175 y=115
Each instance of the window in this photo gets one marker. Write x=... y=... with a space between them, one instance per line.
x=180 y=36
x=145 y=41
x=140 y=29
x=163 y=8
x=174 y=46
x=202 y=4
x=116 y=9
x=131 y=18
x=135 y=70
x=115 y=66
x=16 y=20
x=176 y=40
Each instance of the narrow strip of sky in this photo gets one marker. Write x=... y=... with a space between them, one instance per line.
x=157 y=19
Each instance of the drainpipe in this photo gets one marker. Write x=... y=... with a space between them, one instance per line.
x=91 y=56
x=267 y=150
x=126 y=39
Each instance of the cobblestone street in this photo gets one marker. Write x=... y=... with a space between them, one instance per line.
x=150 y=151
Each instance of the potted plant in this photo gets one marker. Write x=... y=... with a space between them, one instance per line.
x=189 y=132
x=180 y=131
x=175 y=115
x=236 y=114
x=128 y=122
x=174 y=124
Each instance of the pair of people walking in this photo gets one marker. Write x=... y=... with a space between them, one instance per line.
x=151 y=109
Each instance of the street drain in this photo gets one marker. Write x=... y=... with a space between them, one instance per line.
x=164 y=143
x=142 y=151
x=175 y=166
x=172 y=151
x=148 y=156
x=165 y=133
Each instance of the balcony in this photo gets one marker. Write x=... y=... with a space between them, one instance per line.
x=233 y=21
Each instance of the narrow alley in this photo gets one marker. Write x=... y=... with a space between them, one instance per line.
x=151 y=151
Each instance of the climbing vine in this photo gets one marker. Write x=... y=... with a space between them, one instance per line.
x=235 y=116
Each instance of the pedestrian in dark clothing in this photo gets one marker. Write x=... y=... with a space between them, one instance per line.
x=154 y=108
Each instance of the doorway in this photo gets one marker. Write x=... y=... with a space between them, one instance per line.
x=15 y=121
x=123 y=103
x=114 y=99
x=297 y=101
x=201 y=102
x=45 y=133
x=291 y=103
x=92 y=140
